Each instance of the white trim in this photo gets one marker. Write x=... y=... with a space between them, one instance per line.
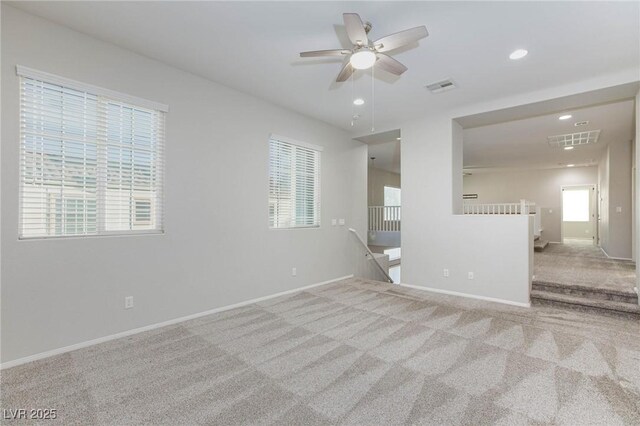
x=593 y=210
x=58 y=351
x=469 y=296
x=85 y=87
x=614 y=258
x=295 y=142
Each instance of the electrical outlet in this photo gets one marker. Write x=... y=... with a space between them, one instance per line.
x=128 y=302
x=619 y=209
x=294 y=272
x=334 y=222
x=470 y=275
x=445 y=273
x=341 y=222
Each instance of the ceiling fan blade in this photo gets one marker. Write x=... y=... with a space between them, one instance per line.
x=355 y=29
x=402 y=38
x=345 y=72
x=387 y=63
x=332 y=52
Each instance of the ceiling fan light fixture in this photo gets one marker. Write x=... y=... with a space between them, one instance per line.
x=518 y=54
x=363 y=59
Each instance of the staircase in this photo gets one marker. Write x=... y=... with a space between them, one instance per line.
x=539 y=244
x=583 y=298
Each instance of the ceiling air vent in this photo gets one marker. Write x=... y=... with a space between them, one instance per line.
x=441 y=86
x=581 y=123
x=572 y=139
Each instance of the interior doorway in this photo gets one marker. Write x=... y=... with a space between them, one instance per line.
x=384 y=207
x=579 y=214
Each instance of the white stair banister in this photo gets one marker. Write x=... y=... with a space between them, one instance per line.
x=370 y=254
x=521 y=208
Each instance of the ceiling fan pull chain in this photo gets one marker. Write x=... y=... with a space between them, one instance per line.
x=373 y=100
x=353 y=95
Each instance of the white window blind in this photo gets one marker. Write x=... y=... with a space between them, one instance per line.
x=294 y=184
x=89 y=164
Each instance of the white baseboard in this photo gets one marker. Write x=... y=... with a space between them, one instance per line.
x=468 y=296
x=614 y=258
x=126 y=333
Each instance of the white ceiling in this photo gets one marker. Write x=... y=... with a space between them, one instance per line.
x=385 y=146
x=523 y=143
x=253 y=47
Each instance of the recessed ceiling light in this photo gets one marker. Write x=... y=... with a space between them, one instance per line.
x=564 y=117
x=358 y=101
x=363 y=59
x=518 y=54
x=568 y=148
x=570 y=165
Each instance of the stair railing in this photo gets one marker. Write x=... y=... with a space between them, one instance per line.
x=523 y=207
x=370 y=254
x=384 y=218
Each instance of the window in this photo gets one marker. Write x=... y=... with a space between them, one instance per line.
x=90 y=164
x=391 y=203
x=294 y=184
x=575 y=205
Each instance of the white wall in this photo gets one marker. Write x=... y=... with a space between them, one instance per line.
x=603 y=202
x=496 y=249
x=615 y=181
x=540 y=186
x=377 y=180
x=636 y=187
x=217 y=249
x=620 y=205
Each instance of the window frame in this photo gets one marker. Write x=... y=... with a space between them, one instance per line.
x=305 y=145
x=109 y=95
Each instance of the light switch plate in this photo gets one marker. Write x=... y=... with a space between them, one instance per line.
x=334 y=222
x=618 y=209
x=341 y=222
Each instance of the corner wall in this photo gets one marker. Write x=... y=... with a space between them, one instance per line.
x=620 y=205
x=636 y=187
x=217 y=249
x=615 y=173
x=603 y=201
x=377 y=180
x=498 y=250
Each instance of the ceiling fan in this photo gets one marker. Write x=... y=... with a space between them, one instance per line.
x=365 y=54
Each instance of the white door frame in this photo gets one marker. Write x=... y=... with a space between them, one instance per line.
x=593 y=209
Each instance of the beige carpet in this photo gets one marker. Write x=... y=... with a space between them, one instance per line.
x=353 y=352
x=584 y=265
